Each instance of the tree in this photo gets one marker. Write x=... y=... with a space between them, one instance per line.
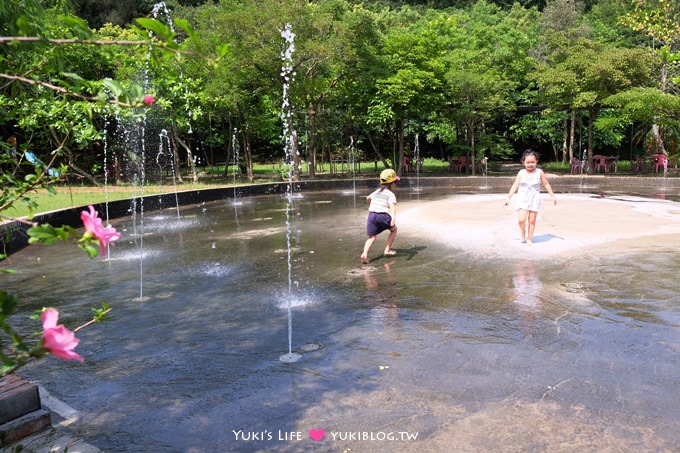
x=488 y=62
x=412 y=80
x=579 y=74
x=660 y=20
x=245 y=88
x=323 y=53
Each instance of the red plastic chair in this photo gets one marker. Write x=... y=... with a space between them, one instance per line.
x=660 y=160
x=600 y=163
x=457 y=163
x=576 y=166
x=462 y=164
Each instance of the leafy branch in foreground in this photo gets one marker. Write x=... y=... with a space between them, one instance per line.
x=55 y=339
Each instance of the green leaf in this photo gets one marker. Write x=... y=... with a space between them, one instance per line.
x=73 y=76
x=5 y=369
x=162 y=31
x=114 y=87
x=78 y=26
x=8 y=303
x=47 y=234
x=91 y=250
x=186 y=26
x=100 y=313
x=223 y=50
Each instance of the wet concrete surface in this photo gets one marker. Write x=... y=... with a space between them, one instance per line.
x=445 y=347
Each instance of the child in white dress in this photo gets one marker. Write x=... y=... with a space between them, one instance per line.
x=528 y=186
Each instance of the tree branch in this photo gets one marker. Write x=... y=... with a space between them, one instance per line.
x=32 y=186
x=60 y=89
x=95 y=42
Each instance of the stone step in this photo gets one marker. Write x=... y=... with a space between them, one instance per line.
x=18 y=397
x=24 y=426
x=21 y=414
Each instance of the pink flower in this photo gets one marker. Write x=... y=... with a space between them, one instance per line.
x=148 y=100
x=57 y=339
x=93 y=224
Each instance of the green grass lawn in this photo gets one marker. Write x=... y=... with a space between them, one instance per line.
x=70 y=197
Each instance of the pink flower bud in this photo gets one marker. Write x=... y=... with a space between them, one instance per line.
x=148 y=100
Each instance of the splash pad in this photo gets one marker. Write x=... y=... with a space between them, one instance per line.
x=464 y=339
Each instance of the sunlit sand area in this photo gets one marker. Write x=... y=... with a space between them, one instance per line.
x=579 y=225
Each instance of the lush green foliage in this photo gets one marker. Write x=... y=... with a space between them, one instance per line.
x=482 y=78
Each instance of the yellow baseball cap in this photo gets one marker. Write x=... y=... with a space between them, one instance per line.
x=388 y=176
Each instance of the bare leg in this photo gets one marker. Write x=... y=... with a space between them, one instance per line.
x=532 y=225
x=367 y=248
x=390 y=240
x=523 y=223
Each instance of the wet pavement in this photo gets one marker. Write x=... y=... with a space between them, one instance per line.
x=445 y=347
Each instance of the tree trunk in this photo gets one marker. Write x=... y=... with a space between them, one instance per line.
x=572 y=134
x=176 y=161
x=591 y=121
x=187 y=148
x=80 y=171
x=658 y=140
x=248 y=156
x=565 y=140
x=656 y=133
x=400 y=146
x=229 y=147
x=472 y=152
x=376 y=150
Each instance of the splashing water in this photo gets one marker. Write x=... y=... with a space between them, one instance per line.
x=106 y=183
x=287 y=118
x=352 y=163
x=237 y=149
x=164 y=143
x=416 y=158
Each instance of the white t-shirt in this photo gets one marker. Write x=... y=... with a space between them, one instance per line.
x=381 y=200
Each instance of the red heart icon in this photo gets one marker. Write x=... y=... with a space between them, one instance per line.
x=317 y=434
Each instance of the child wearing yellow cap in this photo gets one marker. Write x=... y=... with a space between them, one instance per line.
x=382 y=212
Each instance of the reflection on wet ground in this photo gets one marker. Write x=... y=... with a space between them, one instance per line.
x=432 y=350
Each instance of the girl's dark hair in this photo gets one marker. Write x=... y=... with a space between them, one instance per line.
x=529 y=152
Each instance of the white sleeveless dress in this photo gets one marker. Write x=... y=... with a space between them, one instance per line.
x=529 y=191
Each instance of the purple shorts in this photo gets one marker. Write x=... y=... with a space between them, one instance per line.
x=377 y=223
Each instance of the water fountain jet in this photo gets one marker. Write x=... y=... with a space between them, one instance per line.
x=287 y=119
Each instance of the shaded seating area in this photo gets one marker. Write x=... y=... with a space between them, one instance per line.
x=605 y=163
x=457 y=164
x=658 y=163
x=576 y=166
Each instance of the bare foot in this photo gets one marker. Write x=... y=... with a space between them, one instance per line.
x=364 y=259
x=529 y=242
x=390 y=253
